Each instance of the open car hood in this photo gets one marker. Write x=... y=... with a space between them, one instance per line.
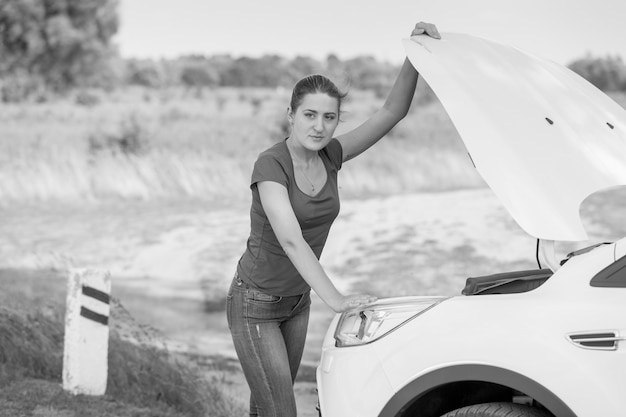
x=541 y=136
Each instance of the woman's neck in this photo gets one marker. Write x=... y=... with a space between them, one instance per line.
x=300 y=153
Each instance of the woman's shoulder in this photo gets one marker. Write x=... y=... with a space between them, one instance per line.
x=277 y=151
x=273 y=163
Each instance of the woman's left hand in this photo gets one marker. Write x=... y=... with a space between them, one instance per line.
x=426 y=28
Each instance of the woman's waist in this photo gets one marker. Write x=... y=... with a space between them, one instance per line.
x=287 y=282
x=246 y=285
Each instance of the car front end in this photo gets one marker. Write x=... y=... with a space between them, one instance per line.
x=349 y=368
x=436 y=354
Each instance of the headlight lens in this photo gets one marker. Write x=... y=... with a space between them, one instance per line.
x=369 y=323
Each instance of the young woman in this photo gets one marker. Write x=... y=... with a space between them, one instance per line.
x=294 y=202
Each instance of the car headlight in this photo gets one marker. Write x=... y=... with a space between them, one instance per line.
x=371 y=322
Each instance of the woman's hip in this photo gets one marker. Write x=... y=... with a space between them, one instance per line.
x=251 y=303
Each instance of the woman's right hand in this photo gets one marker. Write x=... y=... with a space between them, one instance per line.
x=427 y=29
x=352 y=301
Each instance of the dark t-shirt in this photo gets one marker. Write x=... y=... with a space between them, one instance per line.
x=264 y=264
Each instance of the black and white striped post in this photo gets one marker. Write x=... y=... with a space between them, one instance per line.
x=85 y=352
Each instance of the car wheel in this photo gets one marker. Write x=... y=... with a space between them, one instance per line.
x=497 y=410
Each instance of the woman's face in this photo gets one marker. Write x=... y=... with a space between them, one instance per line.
x=315 y=120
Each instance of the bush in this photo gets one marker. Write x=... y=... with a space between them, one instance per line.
x=608 y=74
x=146 y=73
x=87 y=99
x=132 y=138
x=20 y=87
x=197 y=76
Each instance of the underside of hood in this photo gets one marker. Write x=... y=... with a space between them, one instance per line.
x=541 y=136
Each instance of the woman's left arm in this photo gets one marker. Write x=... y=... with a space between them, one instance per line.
x=395 y=108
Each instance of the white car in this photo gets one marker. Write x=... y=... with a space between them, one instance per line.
x=546 y=342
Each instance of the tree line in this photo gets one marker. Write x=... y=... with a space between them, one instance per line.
x=197 y=71
x=60 y=45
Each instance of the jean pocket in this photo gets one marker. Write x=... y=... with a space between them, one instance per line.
x=259 y=297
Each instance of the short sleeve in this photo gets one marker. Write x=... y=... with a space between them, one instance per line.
x=335 y=153
x=268 y=168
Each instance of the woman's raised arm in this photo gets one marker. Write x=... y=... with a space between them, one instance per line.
x=395 y=108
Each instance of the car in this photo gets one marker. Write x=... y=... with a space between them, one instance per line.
x=543 y=342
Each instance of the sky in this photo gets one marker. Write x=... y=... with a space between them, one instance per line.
x=559 y=30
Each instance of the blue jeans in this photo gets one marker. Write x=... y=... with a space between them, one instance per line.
x=269 y=334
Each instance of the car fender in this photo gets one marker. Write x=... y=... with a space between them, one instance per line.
x=475 y=372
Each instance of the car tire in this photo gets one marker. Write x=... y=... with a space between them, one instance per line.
x=497 y=410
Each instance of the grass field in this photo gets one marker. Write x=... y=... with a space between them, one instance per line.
x=155 y=145
x=177 y=144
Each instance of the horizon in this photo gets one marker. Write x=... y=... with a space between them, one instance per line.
x=558 y=30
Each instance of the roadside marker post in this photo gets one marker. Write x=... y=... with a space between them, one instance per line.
x=86 y=345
